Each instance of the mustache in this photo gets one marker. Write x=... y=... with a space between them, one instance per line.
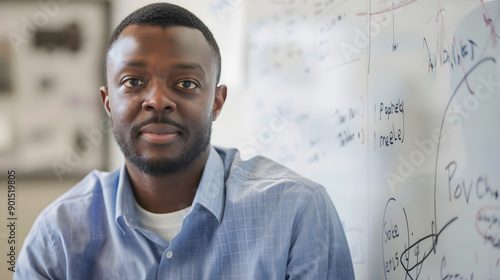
x=160 y=119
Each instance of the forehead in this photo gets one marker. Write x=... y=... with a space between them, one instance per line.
x=155 y=44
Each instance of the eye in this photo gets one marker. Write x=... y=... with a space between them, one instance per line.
x=187 y=85
x=133 y=83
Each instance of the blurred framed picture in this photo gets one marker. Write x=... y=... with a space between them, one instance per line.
x=5 y=68
x=52 y=121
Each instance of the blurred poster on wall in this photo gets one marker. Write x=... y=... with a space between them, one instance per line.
x=51 y=67
x=5 y=68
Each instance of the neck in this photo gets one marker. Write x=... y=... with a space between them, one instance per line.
x=165 y=194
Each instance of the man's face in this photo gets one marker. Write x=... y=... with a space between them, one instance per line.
x=162 y=96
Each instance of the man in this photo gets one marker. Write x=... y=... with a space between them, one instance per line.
x=179 y=208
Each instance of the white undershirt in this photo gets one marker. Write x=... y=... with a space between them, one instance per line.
x=166 y=225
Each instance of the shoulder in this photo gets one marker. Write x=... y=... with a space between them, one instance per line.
x=78 y=200
x=62 y=228
x=260 y=168
x=261 y=175
x=94 y=183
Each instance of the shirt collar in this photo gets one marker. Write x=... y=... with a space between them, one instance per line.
x=210 y=193
x=125 y=201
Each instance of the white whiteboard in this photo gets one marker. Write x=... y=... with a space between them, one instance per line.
x=394 y=106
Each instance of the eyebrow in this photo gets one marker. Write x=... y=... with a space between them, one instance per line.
x=190 y=66
x=128 y=63
x=180 y=66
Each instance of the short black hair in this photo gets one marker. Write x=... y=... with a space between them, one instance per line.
x=167 y=15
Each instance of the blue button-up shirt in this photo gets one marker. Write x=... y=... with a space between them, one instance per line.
x=249 y=220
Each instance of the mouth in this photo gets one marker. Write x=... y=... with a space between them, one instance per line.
x=159 y=133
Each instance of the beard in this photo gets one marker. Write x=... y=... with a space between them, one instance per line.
x=164 y=166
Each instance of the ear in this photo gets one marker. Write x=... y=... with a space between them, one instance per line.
x=220 y=98
x=105 y=99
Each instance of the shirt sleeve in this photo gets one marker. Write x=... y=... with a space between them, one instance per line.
x=318 y=247
x=40 y=257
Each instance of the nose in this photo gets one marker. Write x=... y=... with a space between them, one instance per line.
x=159 y=99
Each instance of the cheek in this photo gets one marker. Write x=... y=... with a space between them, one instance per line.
x=122 y=109
x=121 y=116
x=208 y=108
x=199 y=115
x=118 y=126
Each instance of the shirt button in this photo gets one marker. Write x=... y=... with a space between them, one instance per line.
x=170 y=254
